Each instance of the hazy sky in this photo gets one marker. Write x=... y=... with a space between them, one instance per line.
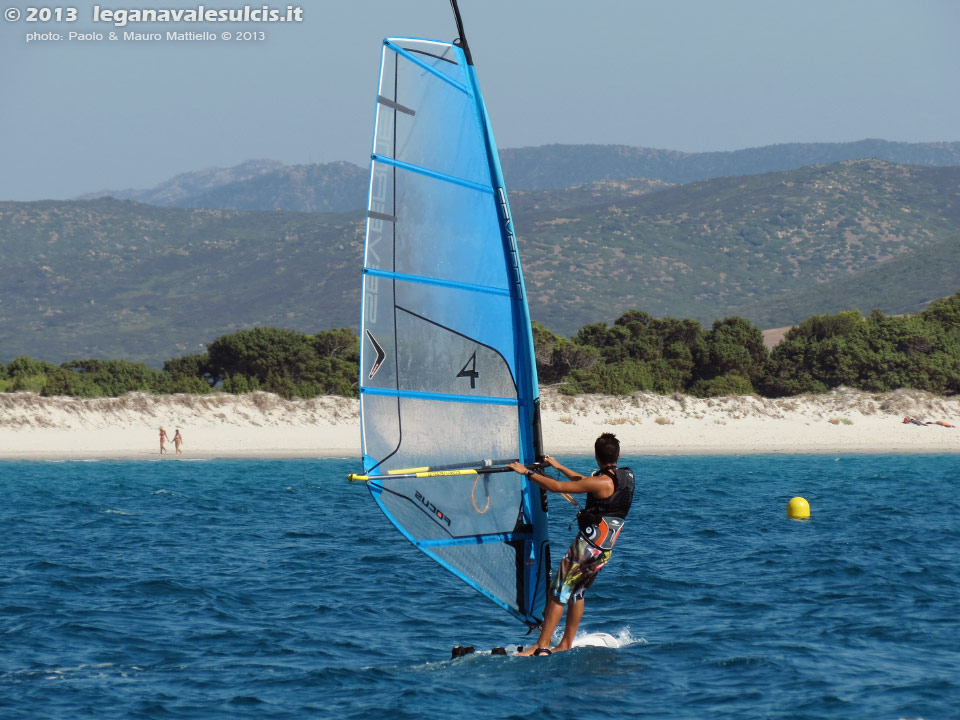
x=687 y=75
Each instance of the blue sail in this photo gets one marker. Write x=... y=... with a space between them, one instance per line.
x=447 y=371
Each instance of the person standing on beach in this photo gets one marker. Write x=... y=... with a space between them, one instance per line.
x=163 y=439
x=177 y=441
x=609 y=496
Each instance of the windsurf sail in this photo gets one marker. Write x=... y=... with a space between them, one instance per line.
x=448 y=383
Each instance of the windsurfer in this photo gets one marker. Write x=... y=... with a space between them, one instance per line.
x=609 y=495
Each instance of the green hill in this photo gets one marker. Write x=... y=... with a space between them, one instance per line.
x=342 y=186
x=904 y=284
x=110 y=278
x=330 y=187
x=557 y=166
x=115 y=279
x=181 y=188
x=708 y=248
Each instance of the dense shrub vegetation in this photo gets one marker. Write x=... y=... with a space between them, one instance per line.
x=878 y=353
x=284 y=362
x=638 y=352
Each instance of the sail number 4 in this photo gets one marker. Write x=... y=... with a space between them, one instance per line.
x=469 y=370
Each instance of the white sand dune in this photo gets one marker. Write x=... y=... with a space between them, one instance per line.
x=264 y=425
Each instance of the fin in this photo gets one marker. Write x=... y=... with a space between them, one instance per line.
x=541 y=652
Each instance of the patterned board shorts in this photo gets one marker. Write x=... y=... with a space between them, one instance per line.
x=578 y=569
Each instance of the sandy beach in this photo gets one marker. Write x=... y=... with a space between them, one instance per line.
x=264 y=425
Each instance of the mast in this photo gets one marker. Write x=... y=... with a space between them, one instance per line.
x=462 y=40
x=530 y=406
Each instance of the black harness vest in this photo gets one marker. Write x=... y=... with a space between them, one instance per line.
x=617 y=505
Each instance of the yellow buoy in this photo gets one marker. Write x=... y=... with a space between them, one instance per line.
x=798 y=509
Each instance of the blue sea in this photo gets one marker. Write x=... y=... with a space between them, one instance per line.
x=275 y=589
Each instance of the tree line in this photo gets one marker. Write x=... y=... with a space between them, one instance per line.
x=284 y=362
x=638 y=352
x=877 y=353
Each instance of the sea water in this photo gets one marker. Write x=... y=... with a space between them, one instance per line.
x=275 y=589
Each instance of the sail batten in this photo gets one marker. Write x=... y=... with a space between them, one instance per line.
x=447 y=372
x=395 y=106
x=440 y=397
x=476 y=540
x=436 y=281
x=429 y=68
x=444 y=177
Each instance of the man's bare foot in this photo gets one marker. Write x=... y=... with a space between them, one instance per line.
x=528 y=652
